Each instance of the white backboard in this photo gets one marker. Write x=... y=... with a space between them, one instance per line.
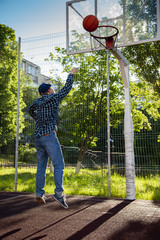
x=138 y=21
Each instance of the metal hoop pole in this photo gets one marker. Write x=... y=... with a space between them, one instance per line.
x=108 y=127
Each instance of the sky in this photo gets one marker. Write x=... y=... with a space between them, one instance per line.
x=31 y=18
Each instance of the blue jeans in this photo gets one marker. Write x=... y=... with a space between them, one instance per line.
x=48 y=146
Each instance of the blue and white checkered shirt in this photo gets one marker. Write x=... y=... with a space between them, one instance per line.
x=45 y=109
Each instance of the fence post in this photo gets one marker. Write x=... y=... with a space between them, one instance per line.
x=17 y=129
x=108 y=127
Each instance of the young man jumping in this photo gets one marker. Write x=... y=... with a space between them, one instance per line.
x=44 y=111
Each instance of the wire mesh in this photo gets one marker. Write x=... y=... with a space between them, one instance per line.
x=74 y=120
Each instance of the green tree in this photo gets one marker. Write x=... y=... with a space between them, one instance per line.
x=8 y=85
x=84 y=111
x=145 y=61
x=141 y=19
x=30 y=93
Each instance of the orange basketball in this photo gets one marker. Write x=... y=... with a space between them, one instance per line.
x=90 y=23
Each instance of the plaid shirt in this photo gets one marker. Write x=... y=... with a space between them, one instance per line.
x=44 y=110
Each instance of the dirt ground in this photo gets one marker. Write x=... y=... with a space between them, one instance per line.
x=89 y=218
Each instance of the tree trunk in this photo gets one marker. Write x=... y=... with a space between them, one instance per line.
x=80 y=159
x=78 y=167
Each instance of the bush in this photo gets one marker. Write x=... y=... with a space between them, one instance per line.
x=27 y=154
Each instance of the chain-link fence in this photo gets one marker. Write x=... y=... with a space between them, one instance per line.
x=82 y=127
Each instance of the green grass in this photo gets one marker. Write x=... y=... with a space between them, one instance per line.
x=88 y=182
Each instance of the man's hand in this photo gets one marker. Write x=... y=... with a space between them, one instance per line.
x=74 y=70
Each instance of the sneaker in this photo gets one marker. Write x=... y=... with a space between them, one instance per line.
x=41 y=200
x=61 y=200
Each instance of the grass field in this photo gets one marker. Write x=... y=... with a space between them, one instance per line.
x=88 y=182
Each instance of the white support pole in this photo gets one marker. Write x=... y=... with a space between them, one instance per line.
x=129 y=138
x=17 y=129
x=128 y=128
x=108 y=128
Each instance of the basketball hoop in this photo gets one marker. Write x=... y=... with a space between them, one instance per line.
x=110 y=39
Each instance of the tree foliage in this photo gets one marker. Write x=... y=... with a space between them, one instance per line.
x=84 y=111
x=30 y=93
x=141 y=19
x=145 y=60
x=8 y=85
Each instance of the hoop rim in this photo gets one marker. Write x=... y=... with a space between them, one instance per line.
x=111 y=36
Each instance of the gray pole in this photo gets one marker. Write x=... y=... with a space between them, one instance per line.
x=108 y=126
x=17 y=130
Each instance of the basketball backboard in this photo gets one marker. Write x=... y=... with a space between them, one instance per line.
x=138 y=21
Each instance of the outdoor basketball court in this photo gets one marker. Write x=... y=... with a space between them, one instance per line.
x=94 y=217
x=86 y=218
